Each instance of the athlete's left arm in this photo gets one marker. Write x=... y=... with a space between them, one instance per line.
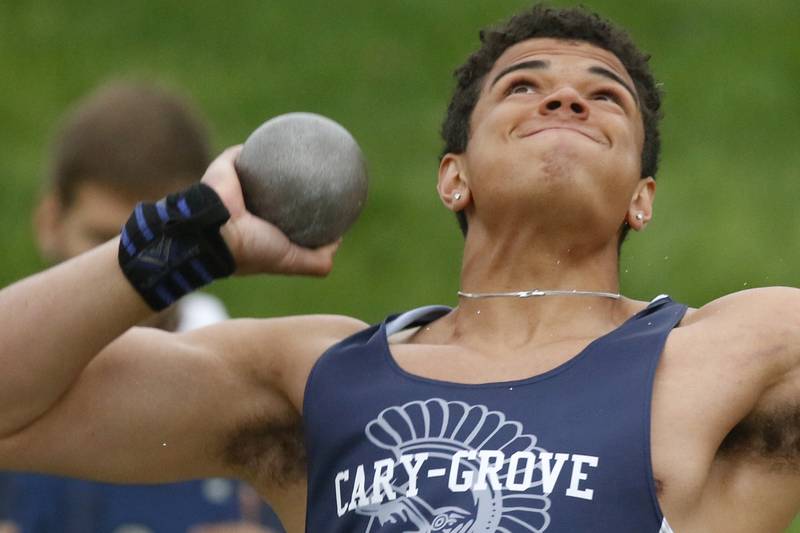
x=766 y=324
x=752 y=340
x=758 y=330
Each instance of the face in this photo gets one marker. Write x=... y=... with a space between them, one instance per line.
x=557 y=131
x=95 y=216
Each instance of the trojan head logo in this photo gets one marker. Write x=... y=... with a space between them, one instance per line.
x=471 y=471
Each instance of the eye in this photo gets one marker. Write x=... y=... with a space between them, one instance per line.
x=607 y=96
x=521 y=87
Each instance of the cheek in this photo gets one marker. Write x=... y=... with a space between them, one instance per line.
x=634 y=159
x=638 y=143
x=488 y=148
x=75 y=239
x=490 y=124
x=628 y=150
x=75 y=244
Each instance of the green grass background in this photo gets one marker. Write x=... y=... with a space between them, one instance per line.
x=726 y=215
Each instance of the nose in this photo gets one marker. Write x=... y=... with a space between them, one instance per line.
x=565 y=100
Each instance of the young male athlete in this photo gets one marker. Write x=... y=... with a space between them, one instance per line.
x=122 y=143
x=574 y=410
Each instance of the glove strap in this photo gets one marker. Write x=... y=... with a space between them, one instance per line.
x=172 y=247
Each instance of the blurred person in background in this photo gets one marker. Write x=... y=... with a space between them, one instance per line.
x=123 y=144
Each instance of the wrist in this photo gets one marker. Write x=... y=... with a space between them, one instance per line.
x=174 y=246
x=232 y=237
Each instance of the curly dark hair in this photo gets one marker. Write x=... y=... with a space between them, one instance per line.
x=574 y=24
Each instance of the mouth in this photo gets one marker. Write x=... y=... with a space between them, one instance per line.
x=540 y=129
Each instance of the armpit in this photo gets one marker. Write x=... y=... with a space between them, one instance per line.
x=774 y=436
x=268 y=452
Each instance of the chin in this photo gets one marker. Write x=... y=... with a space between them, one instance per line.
x=558 y=171
x=558 y=158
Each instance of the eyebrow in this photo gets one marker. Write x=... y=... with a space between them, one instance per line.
x=604 y=72
x=539 y=64
x=533 y=64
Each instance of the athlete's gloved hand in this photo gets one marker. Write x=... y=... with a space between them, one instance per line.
x=186 y=240
x=256 y=245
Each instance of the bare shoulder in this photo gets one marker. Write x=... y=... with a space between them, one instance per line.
x=279 y=352
x=762 y=325
x=753 y=306
x=729 y=355
x=293 y=332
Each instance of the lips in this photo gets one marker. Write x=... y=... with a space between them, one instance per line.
x=531 y=130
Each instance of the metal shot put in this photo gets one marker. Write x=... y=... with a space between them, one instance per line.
x=306 y=174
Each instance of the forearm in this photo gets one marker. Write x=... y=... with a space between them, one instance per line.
x=54 y=323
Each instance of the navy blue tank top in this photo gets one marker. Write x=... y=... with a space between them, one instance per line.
x=567 y=451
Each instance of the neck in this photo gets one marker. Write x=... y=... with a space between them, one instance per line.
x=516 y=264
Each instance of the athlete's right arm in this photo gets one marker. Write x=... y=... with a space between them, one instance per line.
x=156 y=406
x=55 y=323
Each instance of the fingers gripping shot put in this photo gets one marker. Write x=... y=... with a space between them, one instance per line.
x=306 y=174
x=302 y=172
x=544 y=402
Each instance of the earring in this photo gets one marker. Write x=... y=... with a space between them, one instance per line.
x=457 y=196
x=639 y=217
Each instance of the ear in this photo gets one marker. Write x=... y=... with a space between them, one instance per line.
x=453 y=185
x=640 y=210
x=46 y=224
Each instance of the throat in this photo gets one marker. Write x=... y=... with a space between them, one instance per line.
x=514 y=257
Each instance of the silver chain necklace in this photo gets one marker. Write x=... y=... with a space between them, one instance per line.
x=537 y=293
